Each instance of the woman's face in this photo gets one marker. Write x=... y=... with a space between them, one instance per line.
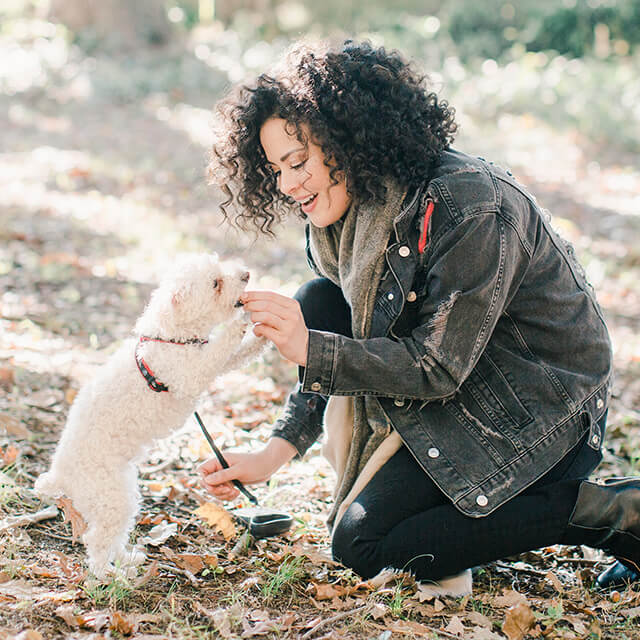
x=303 y=175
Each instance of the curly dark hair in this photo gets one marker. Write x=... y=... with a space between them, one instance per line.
x=367 y=108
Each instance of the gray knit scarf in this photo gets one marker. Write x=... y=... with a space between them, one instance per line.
x=351 y=253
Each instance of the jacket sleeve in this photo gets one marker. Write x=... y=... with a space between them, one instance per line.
x=471 y=274
x=301 y=420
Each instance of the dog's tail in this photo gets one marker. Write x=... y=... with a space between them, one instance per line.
x=47 y=485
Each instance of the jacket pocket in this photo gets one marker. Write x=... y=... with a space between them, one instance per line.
x=492 y=392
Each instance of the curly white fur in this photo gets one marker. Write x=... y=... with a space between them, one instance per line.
x=116 y=416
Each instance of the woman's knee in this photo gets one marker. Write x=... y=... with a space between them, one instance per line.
x=324 y=307
x=352 y=544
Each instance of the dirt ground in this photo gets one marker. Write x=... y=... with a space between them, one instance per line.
x=102 y=182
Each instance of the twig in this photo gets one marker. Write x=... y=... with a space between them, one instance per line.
x=587 y=561
x=531 y=572
x=338 y=616
x=29 y=518
x=46 y=532
x=177 y=571
x=146 y=471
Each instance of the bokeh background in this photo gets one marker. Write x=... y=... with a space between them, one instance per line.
x=105 y=126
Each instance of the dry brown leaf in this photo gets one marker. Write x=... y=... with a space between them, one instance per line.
x=6 y=377
x=12 y=427
x=78 y=525
x=70 y=395
x=29 y=634
x=151 y=572
x=189 y=561
x=518 y=620
x=326 y=591
x=455 y=627
x=555 y=581
x=477 y=618
x=217 y=517
x=9 y=455
x=66 y=613
x=509 y=598
x=409 y=627
x=121 y=624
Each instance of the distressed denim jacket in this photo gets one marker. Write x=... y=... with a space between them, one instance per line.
x=488 y=351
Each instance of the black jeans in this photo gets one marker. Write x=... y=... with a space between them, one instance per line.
x=402 y=520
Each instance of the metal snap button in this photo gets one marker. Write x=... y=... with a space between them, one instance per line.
x=433 y=452
x=411 y=296
x=404 y=251
x=399 y=402
x=600 y=403
x=595 y=439
x=482 y=501
x=390 y=296
x=316 y=386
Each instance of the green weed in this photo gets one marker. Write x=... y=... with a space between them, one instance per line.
x=289 y=573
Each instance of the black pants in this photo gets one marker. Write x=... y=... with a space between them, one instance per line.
x=402 y=520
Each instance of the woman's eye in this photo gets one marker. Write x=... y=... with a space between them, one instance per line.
x=215 y=284
x=298 y=166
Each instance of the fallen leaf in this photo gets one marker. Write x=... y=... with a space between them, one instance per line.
x=217 y=517
x=11 y=427
x=409 y=627
x=9 y=455
x=378 y=610
x=482 y=633
x=78 y=525
x=518 y=620
x=326 y=591
x=509 y=598
x=555 y=581
x=455 y=627
x=159 y=534
x=29 y=634
x=66 y=612
x=121 y=624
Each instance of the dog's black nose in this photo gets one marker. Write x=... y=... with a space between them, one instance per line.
x=245 y=277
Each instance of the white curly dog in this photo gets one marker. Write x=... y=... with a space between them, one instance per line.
x=145 y=391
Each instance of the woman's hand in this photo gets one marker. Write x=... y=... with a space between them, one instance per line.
x=249 y=468
x=279 y=319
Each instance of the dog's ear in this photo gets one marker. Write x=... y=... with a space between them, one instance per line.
x=178 y=297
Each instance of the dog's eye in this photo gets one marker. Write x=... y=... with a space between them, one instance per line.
x=215 y=284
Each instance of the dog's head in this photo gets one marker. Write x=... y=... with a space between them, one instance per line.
x=198 y=293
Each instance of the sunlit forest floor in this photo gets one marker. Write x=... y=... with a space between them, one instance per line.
x=102 y=182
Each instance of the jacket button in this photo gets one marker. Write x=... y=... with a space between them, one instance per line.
x=482 y=501
x=600 y=403
x=390 y=296
x=316 y=386
x=404 y=251
x=399 y=402
x=411 y=296
x=433 y=452
x=595 y=439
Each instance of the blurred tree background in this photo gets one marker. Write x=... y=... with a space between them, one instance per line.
x=105 y=125
x=570 y=61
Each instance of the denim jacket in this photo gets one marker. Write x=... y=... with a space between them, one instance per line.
x=488 y=352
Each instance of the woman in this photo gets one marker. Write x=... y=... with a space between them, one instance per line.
x=466 y=360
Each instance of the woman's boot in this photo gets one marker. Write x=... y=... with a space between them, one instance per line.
x=607 y=516
x=617 y=575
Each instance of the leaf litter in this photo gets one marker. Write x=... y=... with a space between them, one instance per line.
x=83 y=236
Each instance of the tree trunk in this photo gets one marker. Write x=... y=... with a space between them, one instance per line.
x=119 y=23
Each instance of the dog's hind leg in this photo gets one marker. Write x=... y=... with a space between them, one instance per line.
x=110 y=520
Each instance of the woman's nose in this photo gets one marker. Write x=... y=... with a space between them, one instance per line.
x=288 y=182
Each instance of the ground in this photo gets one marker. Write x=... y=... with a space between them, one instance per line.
x=102 y=182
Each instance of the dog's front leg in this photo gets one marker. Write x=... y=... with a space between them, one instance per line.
x=249 y=349
x=219 y=350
